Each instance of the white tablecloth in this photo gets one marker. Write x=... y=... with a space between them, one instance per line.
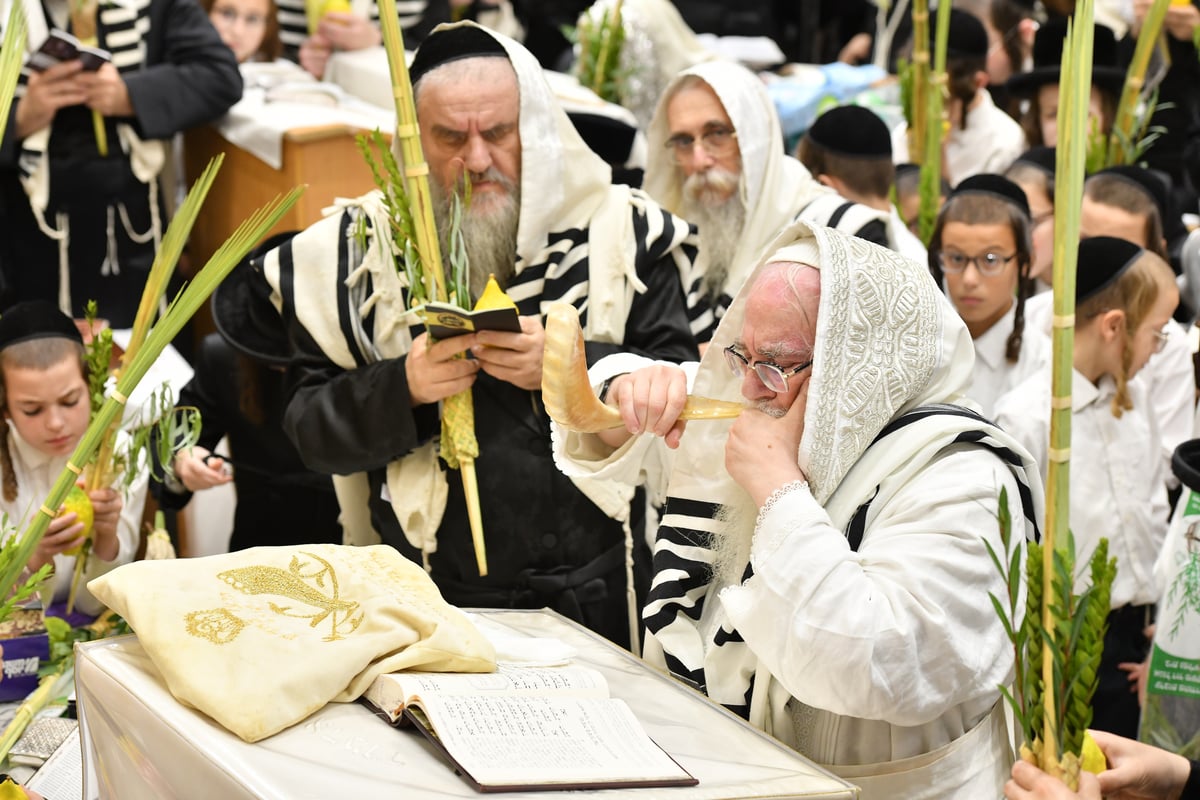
x=144 y=744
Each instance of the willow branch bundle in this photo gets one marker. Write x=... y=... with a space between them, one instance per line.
x=1125 y=130
x=178 y=313
x=1068 y=197
x=458 y=443
x=600 y=52
x=935 y=98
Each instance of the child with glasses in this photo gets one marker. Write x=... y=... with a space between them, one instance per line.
x=249 y=28
x=980 y=253
x=1124 y=297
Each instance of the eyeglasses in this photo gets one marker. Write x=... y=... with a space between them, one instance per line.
x=717 y=141
x=231 y=16
x=988 y=263
x=1161 y=337
x=773 y=376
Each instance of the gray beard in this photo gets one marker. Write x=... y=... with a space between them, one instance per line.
x=720 y=227
x=731 y=542
x=490 y=237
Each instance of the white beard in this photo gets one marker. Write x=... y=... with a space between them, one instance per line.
x=490 y=236
x=720 y=222
x=731 y=542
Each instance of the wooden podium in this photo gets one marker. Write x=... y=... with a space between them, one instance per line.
x=324 y=157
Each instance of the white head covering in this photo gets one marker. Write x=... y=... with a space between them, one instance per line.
x=886 y=341
x=774 y=186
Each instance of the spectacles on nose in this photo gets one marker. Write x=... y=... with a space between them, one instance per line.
x=717 y=141
x=773 y=376
x=231 y=16
x=1160 y=340
x=987 y=263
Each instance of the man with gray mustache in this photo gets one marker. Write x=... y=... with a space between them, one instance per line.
x=717 y=159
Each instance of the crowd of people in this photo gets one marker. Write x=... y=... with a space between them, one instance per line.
x=821 y=565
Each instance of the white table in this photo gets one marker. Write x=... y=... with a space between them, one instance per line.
x=143 y=744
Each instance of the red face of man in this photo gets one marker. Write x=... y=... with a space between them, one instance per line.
x=470 y=123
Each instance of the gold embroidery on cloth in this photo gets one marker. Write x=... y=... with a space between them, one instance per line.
x=294 y=584
x=217 y=625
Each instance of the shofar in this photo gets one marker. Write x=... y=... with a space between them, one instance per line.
x=567 y=391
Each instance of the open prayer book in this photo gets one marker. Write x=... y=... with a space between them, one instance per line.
x=445 y=321
x=528 y=728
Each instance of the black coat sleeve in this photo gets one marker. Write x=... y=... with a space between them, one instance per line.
x=657 y=326
x=190 y=76
x=345 y=421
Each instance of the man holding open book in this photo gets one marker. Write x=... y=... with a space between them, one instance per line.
x=822 y=567
x=545 y=219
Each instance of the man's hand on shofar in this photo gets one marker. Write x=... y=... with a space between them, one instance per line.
x=433 y=371
x=650 y=400
x=515 y=358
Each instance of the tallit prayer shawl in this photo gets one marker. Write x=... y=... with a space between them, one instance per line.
x=775 y=188
x=121 y=29
x=580 y=240
x=293 y=20
x=890 y=352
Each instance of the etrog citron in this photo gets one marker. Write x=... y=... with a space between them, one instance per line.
x=78 y=501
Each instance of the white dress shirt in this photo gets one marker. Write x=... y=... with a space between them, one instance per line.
x=1117 y=482
x=994 y=375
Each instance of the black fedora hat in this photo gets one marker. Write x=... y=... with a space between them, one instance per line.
x=1185 y=463
x=1107 y=72
x=243 y=313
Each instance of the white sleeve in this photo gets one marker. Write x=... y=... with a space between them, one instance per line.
x=1172 y=395
x=644 y=459
x=903 y=630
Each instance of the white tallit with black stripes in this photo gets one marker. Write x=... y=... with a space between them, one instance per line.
x=579 y=240
x=122 y=29
x=775 y=188
x=293 y=19
x=878 y=661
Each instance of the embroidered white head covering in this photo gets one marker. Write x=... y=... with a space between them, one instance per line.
x=886 y=341
x=774 y=187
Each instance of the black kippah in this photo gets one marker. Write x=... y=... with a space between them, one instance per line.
x=1185 y=463
x=1041 y=157
x=36 y=319
x=852 y=131
x=995 y=185
x=967 y=37
x=1102 y=259
x=1144 y=180
x=453 y=44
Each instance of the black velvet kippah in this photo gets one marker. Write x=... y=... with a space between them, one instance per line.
x=967 y=37
x=36 y=319
x=995 y=185
x=1145 y=180
x=1102 y=259
x=453 y=44
x=1041 y=157
x=852 y=131
x=1185 y=463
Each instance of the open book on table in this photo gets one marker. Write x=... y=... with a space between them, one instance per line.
x=528 y=728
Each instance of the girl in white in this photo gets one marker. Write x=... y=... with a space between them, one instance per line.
x=1124 y=299
x=981 y=253
x=45 y=404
